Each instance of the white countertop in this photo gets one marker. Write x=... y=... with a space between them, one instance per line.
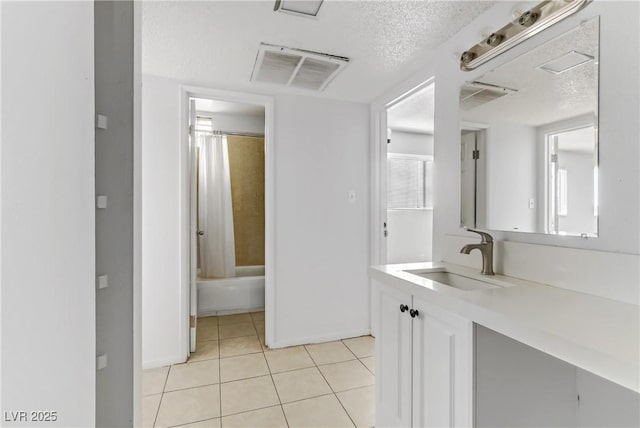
x=599 y=335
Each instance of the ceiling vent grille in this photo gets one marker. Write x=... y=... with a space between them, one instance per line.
x=475 y=94
x=297 y=68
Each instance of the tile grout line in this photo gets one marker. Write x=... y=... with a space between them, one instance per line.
x=166 y=379
x=331 y=388
x=256 y=377
x=273 y=382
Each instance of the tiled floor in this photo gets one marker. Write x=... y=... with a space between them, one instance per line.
x=234 y=380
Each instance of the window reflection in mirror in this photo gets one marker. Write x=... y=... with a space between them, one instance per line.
x=529 y=146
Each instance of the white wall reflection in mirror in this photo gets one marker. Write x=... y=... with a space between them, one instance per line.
x=529 y=143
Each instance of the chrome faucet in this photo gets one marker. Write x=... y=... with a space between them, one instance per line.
x=486 y=249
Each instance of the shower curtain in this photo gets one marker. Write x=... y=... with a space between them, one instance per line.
x=215 y=212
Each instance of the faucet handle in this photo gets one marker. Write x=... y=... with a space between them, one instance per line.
x=484 y=235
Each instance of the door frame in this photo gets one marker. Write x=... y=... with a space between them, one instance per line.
x=187 y=91
x=378 y=158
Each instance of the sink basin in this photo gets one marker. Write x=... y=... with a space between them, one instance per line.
x=454 y=280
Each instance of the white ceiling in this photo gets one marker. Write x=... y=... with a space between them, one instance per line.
x=413 y=114
x=541 y=97
x=215 y=106
x=215 y=42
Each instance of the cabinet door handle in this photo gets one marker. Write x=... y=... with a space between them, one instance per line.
x=404 y=308
x=414 y=313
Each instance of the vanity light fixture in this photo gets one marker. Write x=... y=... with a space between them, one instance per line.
x=525 y=26
x=306 y=8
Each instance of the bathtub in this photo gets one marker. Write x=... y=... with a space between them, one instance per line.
x=243 y=293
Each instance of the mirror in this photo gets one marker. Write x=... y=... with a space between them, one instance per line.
x=529 y=143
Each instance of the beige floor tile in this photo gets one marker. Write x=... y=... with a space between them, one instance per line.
x=243 y=367
x=271 y=417
x=234 y=319
x=150 y=405
x=361 y=346
x=153 y=380
x=258 y=316
x=323 y=411
x=189 y=375
x=294 y=358
x=208 y=321
x=330 y=352
x=205 y=350
x=239 y=346
x=189 y=405
x=209 y=423
x=347 y=375
x=370 y=362
x=300 y=384
x=228 y=331
x=248 y=394
x=207 y=332
x=360 y=405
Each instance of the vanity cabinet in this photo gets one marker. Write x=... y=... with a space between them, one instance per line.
x=423 y=363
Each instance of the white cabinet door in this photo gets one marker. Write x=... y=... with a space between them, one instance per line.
x=393 y=355
x=442 y=362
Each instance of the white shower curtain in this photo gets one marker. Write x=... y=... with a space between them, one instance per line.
x=215 y=212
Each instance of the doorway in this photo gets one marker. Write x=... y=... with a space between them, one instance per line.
x=228 y=178
x=408 y=178
x=572 y=182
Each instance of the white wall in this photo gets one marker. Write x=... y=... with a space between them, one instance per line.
x=321 y=152
x=161 y=207
x=410 y=142
x=410 y=236
x=619 y=153
x=410 y=231
x=232 y=122
x=48 y=211
x=510 y=171
x=321 y=239
x=579 y=218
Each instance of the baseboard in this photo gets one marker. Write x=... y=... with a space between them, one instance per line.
x=306 y=340
x=152 y=364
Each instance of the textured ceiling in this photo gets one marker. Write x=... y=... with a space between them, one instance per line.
x=413 y=114
x=542 y=97
x=215 y=42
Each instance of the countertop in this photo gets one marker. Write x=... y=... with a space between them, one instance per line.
x=596 y=334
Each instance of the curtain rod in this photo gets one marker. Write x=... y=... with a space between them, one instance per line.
x=240 y=134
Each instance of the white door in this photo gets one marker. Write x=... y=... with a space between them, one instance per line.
x=193 y=212
x=442 y=361
x=393 y=357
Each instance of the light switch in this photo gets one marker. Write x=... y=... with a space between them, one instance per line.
x=102 y=121
x=101 y=361
x=532 y=203
x=352 y=196
x=103 y=281
x=101 y=201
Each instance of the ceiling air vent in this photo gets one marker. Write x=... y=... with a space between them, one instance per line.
x=298 y=68
x=474 y=94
